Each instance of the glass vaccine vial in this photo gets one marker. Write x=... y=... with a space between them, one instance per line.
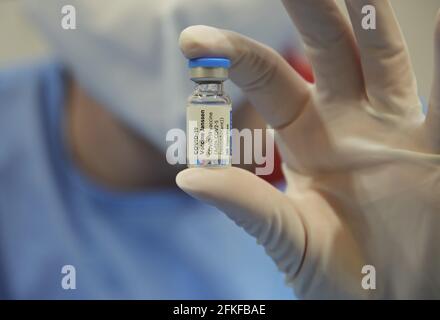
x=208 y=116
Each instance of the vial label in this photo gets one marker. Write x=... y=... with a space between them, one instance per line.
x=209 y=135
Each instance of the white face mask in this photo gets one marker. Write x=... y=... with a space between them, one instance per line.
x=125 y=52
x=125 y=56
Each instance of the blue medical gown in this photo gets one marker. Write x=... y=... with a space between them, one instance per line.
x=152 y=245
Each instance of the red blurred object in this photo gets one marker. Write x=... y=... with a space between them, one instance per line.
x=301 y=65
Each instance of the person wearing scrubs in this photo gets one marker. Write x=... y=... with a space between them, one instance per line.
x=85 y=186
x=359 y=217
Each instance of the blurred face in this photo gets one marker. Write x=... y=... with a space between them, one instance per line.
x=120 y=55
x=125 y=53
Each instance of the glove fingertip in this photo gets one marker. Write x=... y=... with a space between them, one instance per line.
x=188 y=178
x=200 y=40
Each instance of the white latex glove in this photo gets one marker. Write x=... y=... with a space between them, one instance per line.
x=361 y=161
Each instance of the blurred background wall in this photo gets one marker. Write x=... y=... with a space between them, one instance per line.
x=19 y=41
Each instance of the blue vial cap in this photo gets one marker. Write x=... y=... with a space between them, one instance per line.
x=211 y=62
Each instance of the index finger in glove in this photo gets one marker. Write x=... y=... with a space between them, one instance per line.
x=272 y=86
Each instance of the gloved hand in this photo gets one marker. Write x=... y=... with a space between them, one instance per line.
x=362 y=163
